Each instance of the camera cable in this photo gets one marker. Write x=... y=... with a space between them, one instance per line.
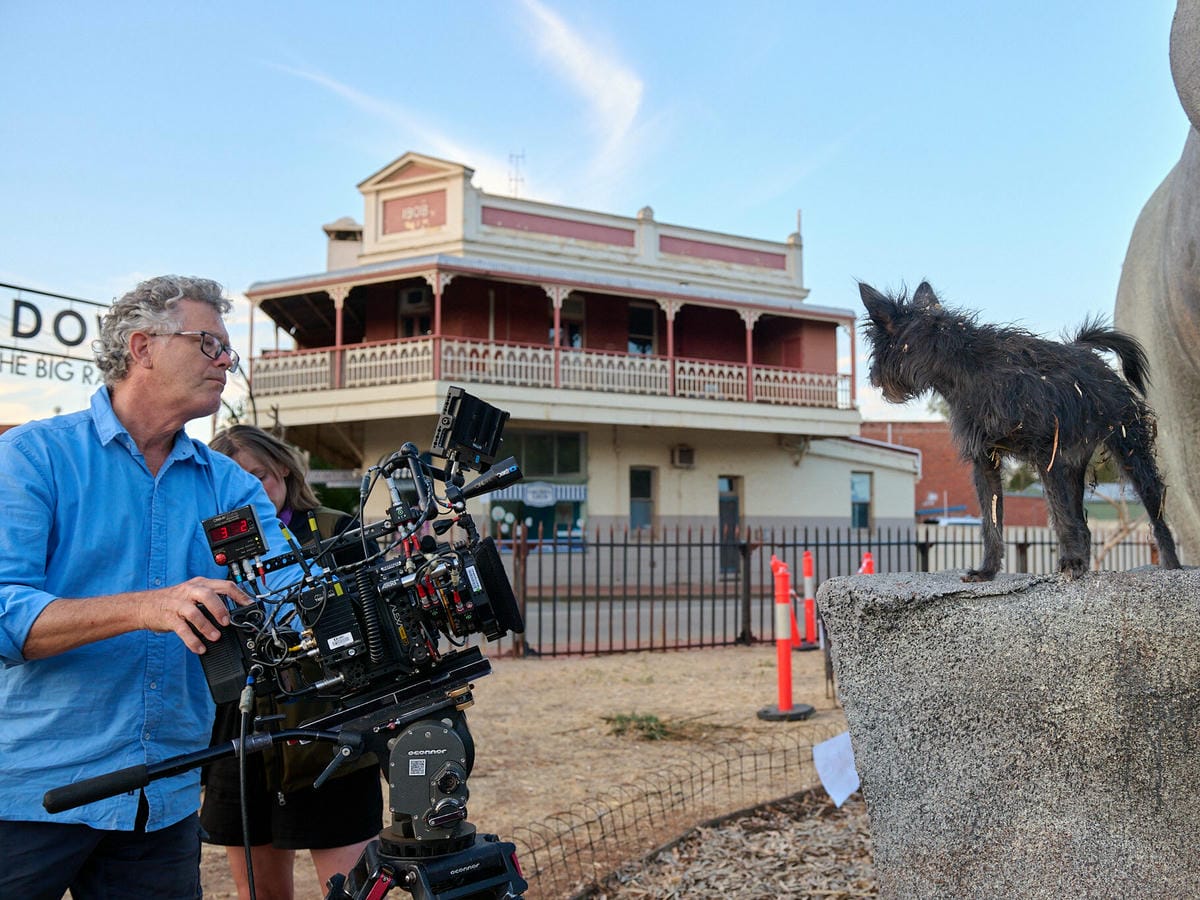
x=246 y=708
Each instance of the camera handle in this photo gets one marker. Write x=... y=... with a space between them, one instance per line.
x=122 y=781
x=399 y=708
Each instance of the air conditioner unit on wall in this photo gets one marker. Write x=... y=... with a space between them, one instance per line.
x=683 y=456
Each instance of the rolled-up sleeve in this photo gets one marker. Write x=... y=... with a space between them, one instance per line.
x=26 y=509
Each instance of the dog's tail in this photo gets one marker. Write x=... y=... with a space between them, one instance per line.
x=1097 y=334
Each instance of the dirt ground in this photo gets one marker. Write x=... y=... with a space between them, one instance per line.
x=545 y=739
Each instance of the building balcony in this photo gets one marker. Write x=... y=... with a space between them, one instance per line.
x=472 y=361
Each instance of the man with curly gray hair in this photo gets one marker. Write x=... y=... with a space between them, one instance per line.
x=152 y=306
x=106 y=587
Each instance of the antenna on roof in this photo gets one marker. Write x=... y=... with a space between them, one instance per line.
x=515 y=178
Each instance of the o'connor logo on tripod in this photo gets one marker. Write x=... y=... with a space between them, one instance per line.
x=48 y=336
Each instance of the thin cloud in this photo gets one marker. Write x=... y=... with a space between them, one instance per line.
x=611 y=93
x=785 y=178
x=491 y=174
x=611 y=90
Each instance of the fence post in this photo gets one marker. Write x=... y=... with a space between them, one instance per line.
x=520 y=560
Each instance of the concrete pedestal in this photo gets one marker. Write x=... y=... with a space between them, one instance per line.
x=1030 y=737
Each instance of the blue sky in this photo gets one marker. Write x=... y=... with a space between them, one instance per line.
x=1002 y=151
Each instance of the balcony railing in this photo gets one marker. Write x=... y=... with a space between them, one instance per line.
x=390 y=363
x=525 y=365
x=495 y=362
x=294 y=373
x=627 y=373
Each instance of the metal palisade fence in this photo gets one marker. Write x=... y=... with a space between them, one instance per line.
x=671 y=589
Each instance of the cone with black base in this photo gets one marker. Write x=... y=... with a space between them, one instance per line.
x=796 y=713
x=784 y=710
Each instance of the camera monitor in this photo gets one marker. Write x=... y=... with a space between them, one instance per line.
x=468 y=430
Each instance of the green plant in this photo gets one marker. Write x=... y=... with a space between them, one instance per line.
x=641 y=727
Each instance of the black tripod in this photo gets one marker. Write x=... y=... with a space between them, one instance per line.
x=483 y=868
x=430 y=849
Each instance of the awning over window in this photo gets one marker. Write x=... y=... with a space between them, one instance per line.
x=539 y=493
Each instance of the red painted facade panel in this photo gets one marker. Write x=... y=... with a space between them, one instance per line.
x=721 y=253
x=567 y=228
x=413 y=213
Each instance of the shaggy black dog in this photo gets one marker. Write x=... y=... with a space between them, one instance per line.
x=1011 y=393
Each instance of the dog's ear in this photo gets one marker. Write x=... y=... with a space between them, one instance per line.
x=925 y=298
x=882 y=309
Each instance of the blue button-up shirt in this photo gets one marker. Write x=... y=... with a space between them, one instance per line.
x=83 y=517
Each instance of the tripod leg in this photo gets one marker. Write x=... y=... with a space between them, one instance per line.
x=370 y=879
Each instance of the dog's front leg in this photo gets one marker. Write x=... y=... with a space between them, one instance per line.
x=990 y=490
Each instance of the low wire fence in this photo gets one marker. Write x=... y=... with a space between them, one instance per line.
x=569 y=854
x=614 y=592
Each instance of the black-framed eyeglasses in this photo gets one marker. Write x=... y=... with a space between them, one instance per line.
x=211 y=346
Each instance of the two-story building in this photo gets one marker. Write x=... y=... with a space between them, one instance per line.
x=655 y=375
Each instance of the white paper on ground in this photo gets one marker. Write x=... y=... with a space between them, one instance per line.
x=834 y=761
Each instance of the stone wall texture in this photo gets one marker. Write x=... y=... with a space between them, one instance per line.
x=1029 y=737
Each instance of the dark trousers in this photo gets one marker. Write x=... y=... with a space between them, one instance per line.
x=42 y=860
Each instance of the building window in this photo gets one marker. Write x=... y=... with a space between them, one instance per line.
x=642 y=322
x=546 y=454
x=641 y=498
x=860 y=499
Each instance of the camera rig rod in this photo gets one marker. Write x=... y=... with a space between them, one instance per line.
x=123 y=780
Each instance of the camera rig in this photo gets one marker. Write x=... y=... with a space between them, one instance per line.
x=367 y=635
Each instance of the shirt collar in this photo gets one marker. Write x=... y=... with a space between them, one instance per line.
x=109 y=429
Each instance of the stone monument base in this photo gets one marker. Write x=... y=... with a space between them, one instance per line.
x=1029 y=737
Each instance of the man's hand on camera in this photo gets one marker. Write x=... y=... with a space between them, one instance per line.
x=192 y=609
x=67 y=623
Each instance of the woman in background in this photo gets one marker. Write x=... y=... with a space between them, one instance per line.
x=286 y=813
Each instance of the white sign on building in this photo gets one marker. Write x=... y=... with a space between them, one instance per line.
x=48 y=337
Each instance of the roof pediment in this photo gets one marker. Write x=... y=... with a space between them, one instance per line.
x=415 y=167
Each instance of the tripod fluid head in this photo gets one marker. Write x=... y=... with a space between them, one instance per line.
x=430 y=849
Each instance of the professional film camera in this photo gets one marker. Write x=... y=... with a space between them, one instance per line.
x=368 y=634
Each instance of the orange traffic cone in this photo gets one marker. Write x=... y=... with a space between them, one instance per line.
x=785 y=619
x=809 y=641
x=868 y=565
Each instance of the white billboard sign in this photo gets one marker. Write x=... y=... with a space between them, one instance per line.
x=47 y=336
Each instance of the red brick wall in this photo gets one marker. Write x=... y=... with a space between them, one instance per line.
x=703 y=333
x=819 y=353
x=1024 y=510
x=946 y=481
x=606 y=326
x=522 y=312
x=379 y=320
